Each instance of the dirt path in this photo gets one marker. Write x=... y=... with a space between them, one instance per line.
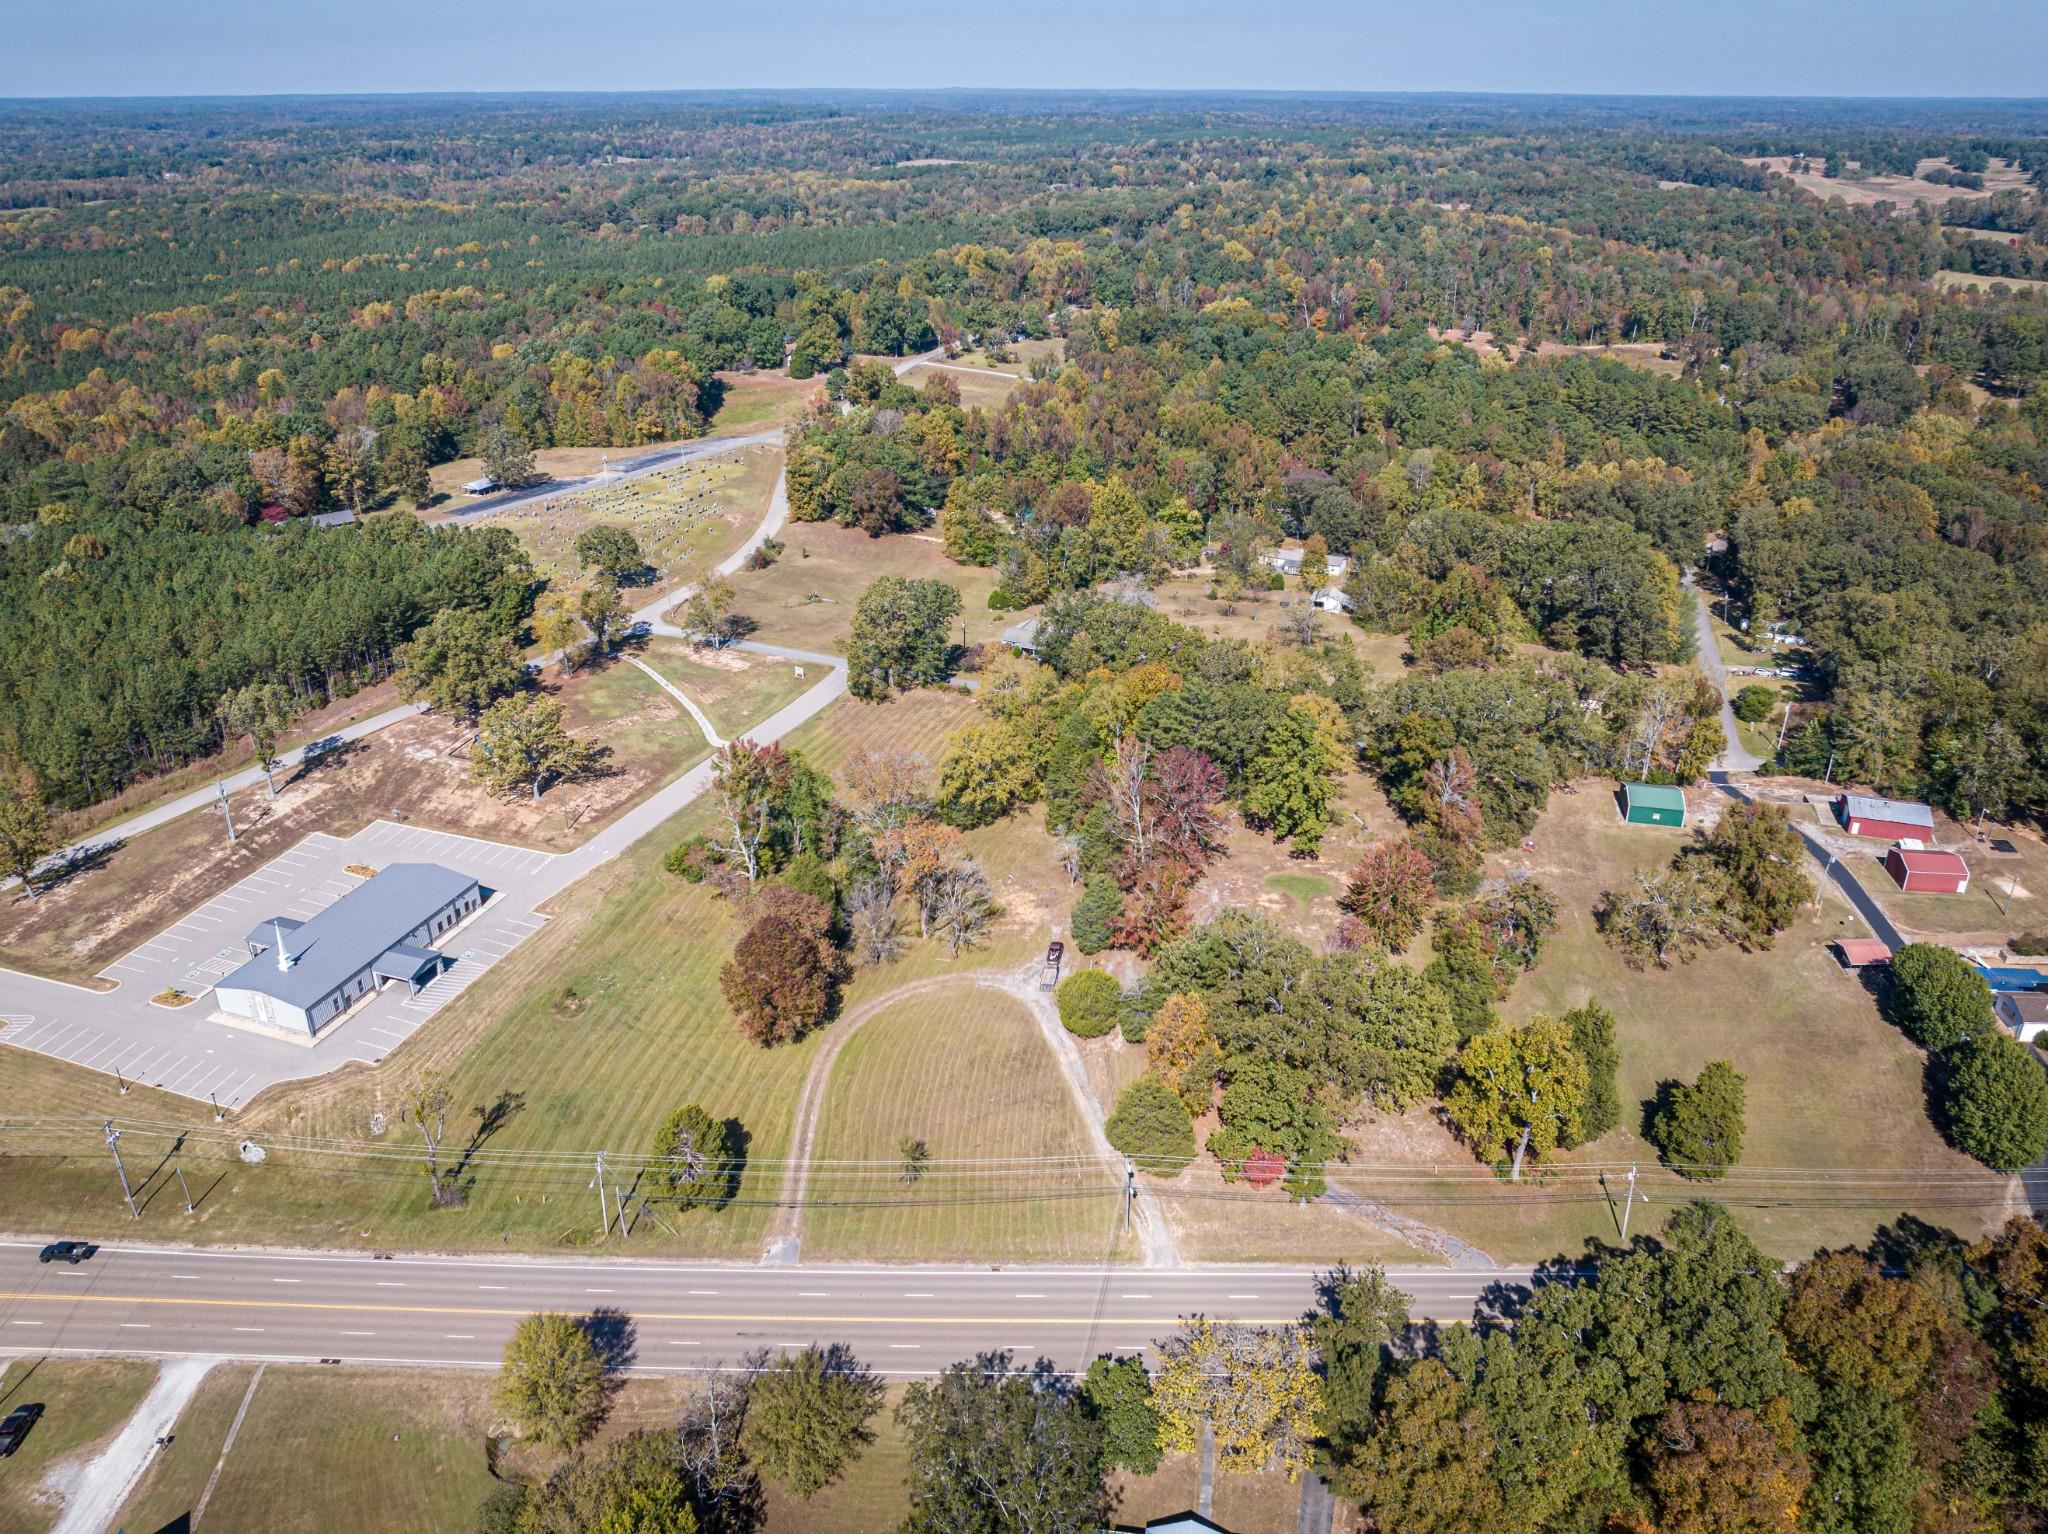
x=785 y=1234
x=93 y=1490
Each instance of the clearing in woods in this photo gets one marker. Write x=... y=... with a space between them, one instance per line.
x=686 y=517
x=1903 y=192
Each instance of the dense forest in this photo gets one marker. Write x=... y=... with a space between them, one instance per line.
x=214 y=318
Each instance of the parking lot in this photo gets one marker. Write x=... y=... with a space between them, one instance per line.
x=184 y=1049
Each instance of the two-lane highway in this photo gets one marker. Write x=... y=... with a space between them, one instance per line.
x=457 y=1311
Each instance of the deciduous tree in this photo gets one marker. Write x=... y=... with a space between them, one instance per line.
x=1183 y=1051
x=1998 y=1102
x=807 y=1418
x=1150 y=1125
x=780 y=980
x=26 y=835
x=1255 y=1387
x=262 y=711
x=610 y=551
x=1518 y=1091
x=1424 y=1469
x=1717 y=1469
x=459 y=664
x=1390 y=892
x=1288 y=787
x=998 y=1450
x=1699 y=1126
x=902 y=636
x=552 y=1384
x=1118 y=1394
x=1938 y=997
x=524 y=742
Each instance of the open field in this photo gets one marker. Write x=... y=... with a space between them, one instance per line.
x=1979 y=281
x=737 y=688
x=85 y=1401
x=1647 y=355
x=592 y=1032
x=447 y=479
x=1902 y=191
x=806 y=598
x=966 y=1071
x=979 y=388
x=1831 y=1084
x=756 y=400
x=686 y=517
x=417 y=771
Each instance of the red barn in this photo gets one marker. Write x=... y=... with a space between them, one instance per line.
x=1927 y=872
x=1889 y=820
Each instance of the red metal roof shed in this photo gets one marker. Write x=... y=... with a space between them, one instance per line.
x=1925 y=871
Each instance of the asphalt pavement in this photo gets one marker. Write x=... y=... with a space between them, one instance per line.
x=302 y=1307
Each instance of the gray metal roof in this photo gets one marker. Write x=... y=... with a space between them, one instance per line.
x=1905 y=811
x=264 y=934
x=1023 y=635
x=352 y=934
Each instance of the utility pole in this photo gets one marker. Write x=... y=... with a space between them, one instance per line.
x=227 y=811
x=604 y=1213
x=1783 y=721
x=217 y=1114
x=1829 y=775
x=1630 y=1204
x=1130 y=1192
x=114 y=1145
x=184 y=1187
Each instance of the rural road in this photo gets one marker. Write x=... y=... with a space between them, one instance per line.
x=625 y=468
x=292 y=1307
x=1737 y=757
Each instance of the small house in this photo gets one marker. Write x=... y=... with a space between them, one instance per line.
x=2024 y=1014
x=482 y=486
x=1888 y=820
x=1924 y=871
x=1288 y=562
x=1022 y=637
x=1331 y=600
x=1652 y=804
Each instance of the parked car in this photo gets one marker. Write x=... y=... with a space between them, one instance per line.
x=73 y=1252
x=16 y=1427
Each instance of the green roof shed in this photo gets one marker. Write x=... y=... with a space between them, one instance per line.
x=1652 y=804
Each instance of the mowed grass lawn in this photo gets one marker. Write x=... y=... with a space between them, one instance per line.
x=966 y=1070
x=806 y=598
x=737 y=688
x=338 y=1451
x=85 y=1401
x=597 y=1028
x=173 y=1484
x=1831 y=1084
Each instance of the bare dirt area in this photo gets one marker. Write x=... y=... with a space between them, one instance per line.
x=1647 y=355
x=1901 y=191
x=417 y=771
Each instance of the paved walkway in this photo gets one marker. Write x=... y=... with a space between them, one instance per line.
x=689 y=704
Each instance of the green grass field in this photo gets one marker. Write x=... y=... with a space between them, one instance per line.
x=85 y=1401
x=967 y=1071
x=737 y=688
x=337 y=1451
x=1832 y=1085
x=173 y=1484
x=598 y=1027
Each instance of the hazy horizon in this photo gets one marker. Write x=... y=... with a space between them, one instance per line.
x=1828 y=49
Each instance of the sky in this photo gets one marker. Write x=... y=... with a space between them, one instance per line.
x=1613 y=47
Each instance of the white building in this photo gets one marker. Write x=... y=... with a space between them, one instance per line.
x=2024 y=1013
x=301 y=976
x=1288 y=562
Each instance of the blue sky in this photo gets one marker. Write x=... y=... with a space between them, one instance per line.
x=1745 y=47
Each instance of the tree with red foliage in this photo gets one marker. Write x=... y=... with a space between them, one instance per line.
x=780 y=979
x=1155 y=910
x=1186 y=789
x=1263 y=1168
x=1390 y=891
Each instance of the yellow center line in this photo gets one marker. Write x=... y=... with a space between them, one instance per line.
x=638 y=1315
